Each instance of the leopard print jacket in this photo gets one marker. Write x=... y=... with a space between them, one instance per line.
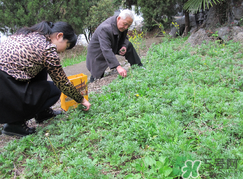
x=24 y=56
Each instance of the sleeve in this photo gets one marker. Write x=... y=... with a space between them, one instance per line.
x=105 y=39
x=57 y=74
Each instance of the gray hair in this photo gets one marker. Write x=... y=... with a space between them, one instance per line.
x=126 y=13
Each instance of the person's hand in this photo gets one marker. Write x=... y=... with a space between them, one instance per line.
x=86 y=104
x=121 y=71
x=123 y=51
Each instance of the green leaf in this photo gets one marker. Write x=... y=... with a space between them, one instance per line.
x=149 y=161
x=167 y=171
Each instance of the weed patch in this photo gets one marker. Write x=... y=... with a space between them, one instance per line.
x=180 y=117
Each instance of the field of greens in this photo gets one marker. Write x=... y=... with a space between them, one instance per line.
x=181 y=117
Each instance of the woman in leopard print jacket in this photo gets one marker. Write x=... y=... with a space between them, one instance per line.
x=26 y=58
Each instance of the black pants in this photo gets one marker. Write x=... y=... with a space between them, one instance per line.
x=21 y=101
x=131 y=56
x=54 y=94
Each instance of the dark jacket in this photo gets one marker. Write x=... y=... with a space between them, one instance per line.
x=105 y=43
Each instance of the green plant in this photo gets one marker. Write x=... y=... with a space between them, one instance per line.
x=98 y=12
x=184 y=108
x=215 y=34
x=161 y=28
x=241 y=22
x=157 y=10
x=177 y=27
x=195 y=5
x=47 y=136
x=138 y=41
x=149 y=167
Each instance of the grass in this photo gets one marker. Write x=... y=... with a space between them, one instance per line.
x=72 y=61
x=73 y=56
x=182 y=116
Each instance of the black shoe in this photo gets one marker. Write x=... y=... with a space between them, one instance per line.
x=17 y=129
x=92 y=79
x=46 y=114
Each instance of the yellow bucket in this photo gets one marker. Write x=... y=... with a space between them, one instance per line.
x=80 y=82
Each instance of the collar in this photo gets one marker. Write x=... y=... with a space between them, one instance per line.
x=114 y=25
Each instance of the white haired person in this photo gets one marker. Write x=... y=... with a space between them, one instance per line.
x=110 y=38
x=26 y=58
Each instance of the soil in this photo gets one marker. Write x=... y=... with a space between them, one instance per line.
x=110 y=75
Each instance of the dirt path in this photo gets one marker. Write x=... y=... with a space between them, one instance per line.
x=92 y=87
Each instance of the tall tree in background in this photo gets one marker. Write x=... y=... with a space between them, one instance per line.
x=187 y=20
x=159 y=11
x=83 y=15
x=74 y=12
x=15 y=14
x=98 y=12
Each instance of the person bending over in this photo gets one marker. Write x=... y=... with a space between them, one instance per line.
x=26 y=58
x=110 y=38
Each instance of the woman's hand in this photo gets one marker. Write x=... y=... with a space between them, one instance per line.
x=86 y=104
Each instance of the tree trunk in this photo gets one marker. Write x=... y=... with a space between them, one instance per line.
x=187 y=23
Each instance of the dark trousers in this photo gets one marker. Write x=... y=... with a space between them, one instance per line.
x=22 y=100
x=54 y=94
x=131 y=56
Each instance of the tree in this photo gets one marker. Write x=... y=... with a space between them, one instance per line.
x=194 y=6
x=15 y=14
x=83 y=15
x=98 y=12
x=159 y=11
x=187 y=22
x=74 y=12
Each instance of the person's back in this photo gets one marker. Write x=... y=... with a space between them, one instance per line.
x=21 y=52
x=94 y=42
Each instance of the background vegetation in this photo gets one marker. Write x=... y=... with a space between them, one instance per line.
x=86 y=15
x=186 y=105
x=83 y=15
x=73 y=56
